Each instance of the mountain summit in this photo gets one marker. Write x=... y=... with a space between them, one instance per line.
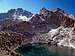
x=18 y=13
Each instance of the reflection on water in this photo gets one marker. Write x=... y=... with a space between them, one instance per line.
x=45 y=50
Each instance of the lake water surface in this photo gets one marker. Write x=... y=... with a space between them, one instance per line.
x=45 y=50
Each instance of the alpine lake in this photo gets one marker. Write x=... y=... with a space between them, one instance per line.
x=38 y=49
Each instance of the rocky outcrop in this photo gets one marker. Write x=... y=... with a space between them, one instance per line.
x=60 y=36
x=9 y=41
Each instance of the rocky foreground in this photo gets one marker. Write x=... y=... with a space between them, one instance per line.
x=9 y=41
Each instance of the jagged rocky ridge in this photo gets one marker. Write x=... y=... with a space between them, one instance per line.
x=44 y=21
x=14 y=14
x=52 y=27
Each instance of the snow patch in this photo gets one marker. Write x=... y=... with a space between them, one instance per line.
x=24 y=18
x=66 y=42
x=72 y=16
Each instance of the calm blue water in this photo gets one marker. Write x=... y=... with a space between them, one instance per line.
x=45 y=50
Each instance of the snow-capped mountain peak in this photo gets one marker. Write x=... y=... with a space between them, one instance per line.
x=15 y=14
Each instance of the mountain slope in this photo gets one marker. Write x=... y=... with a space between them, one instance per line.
x=43 y=22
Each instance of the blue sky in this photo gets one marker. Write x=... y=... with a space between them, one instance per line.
x=35 y=5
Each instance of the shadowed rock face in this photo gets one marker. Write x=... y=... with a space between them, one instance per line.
x=21 y=27
x=51 y=19
x=57 y=17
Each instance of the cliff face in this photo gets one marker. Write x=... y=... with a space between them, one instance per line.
x=48 y=20
x=57 y=17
